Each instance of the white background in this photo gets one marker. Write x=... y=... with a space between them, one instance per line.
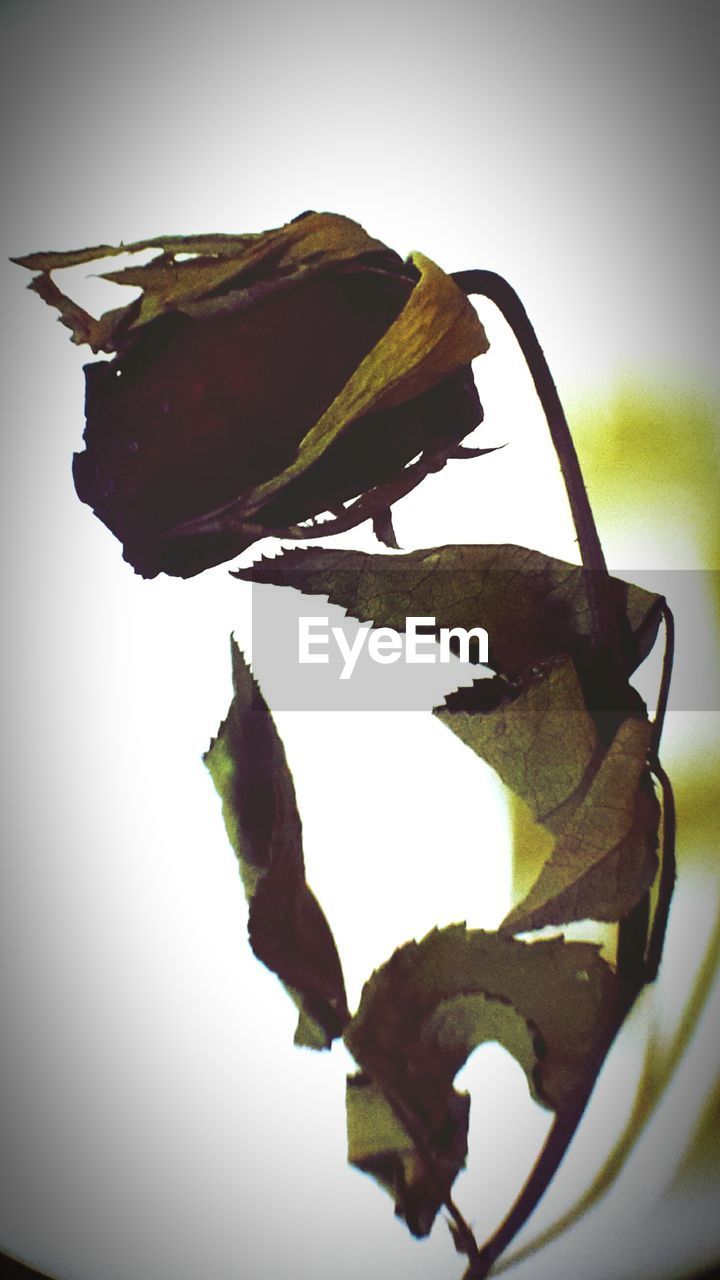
x=157 y=1121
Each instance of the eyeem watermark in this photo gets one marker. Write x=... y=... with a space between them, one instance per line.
x=308 y=654
x=421 y=642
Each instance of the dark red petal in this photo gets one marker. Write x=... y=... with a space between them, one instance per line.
x=199 y=411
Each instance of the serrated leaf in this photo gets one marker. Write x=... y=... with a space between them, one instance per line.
x=287 y=928
x=550 y=1003
x=605 y=857
x=532 y=723
x=533 y=606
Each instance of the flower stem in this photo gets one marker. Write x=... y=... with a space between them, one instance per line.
x=548 y=1162
x=668 y=659
x=465 y=1241
x=608 y=638
x=490 y=285
x=667 y=875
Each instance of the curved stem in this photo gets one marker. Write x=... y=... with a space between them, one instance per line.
x=546 y=1166
x=667 y=875
x=607 y=627
x=606 y=636
x=639 y=956
x=631 y=946
x=493 y=286
x=551 y=1156
x=633 y=974
x=666 y=887
x=668 y=659
x=464 y=1238
x=646 y=1103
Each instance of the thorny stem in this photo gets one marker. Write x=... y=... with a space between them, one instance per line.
x=633 y=969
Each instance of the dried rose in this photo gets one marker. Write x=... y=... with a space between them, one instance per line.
x=260 y=380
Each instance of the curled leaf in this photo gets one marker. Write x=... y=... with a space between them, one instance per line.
x=195 y=270
x=287 y=928
x=605 y=856
x=539 y=737
x=550 y=1003
x=380 y=1145
x=598 y=803
x=580 y=766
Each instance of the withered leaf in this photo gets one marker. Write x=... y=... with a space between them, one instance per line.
x=287 y=928
x=192 y=268
x=532 y=722
x=550 y=1003
x=533 y=606
x=605 y=856
x=539 y=737
x=224 y=245
x=380 y=1145
x=599 y=803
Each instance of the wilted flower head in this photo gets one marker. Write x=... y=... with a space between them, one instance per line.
x=260 y=380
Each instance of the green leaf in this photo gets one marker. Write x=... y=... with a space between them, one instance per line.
x=287 y=928
x=550 y=1003
x=533 y=606
x=605 y=857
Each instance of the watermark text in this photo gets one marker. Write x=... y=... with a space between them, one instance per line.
x=385 y=645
